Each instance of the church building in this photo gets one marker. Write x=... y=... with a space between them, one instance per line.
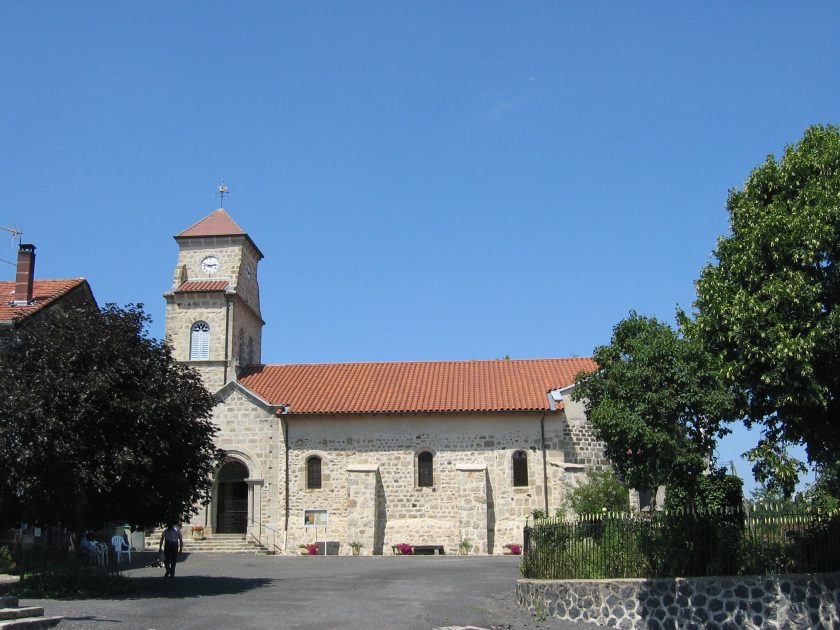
x=438 y=453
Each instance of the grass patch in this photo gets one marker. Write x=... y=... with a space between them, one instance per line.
x=72 y=582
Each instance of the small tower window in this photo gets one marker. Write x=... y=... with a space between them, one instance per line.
x=425 y=470
x=251 y=357
x=313 y=473
x=243 y=354
x=520 y=468
x=200 y=342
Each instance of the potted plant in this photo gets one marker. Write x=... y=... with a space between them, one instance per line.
x=464 y=546
x=512 y=549
x=197 y=532
x=356 y=546
x=403 y=549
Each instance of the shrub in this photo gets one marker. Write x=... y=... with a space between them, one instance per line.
x=602 y=491
x=72 y=582
x=404 y=549
x=7 y=564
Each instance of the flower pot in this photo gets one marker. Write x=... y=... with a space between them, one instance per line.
x=356 y=552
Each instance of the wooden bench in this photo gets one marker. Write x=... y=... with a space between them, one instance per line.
x=428 y=550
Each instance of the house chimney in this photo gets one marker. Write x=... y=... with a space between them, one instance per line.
x=25 y=275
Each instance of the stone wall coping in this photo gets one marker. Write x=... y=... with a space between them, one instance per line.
x=470 y=467
x=363 y=468
x=698 y=578
x=573 y=466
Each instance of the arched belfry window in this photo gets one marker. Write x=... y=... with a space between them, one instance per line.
x=520 y=468
x=250 y=350
x=199 y=341
x=243 y=354
x=425 y=470
x=313 y=473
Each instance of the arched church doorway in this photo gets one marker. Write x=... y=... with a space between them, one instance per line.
x=232 y=503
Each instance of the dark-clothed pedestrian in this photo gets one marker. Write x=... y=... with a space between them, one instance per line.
x=172 y=544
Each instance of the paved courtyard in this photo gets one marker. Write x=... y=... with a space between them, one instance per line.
x=250 y=592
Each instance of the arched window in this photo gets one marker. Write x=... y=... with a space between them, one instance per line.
x=425 y=474
x=313 y=473
x=250 y=350
x=520 y=468
x=200 y=342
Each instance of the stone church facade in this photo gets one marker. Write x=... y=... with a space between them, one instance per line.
x=424 y=453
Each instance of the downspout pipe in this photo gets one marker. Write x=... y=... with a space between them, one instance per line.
x=285 y=424
x=545 y=464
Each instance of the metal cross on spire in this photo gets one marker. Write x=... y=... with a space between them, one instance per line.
x=223 y=190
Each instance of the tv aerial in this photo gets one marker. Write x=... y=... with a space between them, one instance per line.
x=14 y=233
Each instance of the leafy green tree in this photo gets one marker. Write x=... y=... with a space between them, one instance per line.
x=658 y=403
x=768 y=304
x=99 y=423
x=601 y=492
x=822 y=494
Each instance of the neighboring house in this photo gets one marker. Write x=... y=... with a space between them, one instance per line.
x=430 y=453
x=27 y=297
x=24 y=298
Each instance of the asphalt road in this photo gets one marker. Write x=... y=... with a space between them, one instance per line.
x=245 y=592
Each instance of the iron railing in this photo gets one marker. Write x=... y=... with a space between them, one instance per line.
x=723 y=542
x=263 y=535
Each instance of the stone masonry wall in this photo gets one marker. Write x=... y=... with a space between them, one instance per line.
x=430 y=515
x=716 y=603
x=398 y=509
x=250 y=434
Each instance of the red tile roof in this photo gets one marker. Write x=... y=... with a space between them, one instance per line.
x=218 y=223
x=203 y=285
x=44 y=292
x=435 y=386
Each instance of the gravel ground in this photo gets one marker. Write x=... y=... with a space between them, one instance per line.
x=255 y=592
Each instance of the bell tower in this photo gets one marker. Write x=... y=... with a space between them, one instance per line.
x=213 y=316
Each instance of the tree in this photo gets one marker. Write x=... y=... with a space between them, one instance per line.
x=99 y=423
x=657 y=402
x=601 y=492
x=768 y=305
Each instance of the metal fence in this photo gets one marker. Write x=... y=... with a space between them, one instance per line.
x=725 y=542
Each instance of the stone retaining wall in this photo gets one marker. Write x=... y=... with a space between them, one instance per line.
x=788 y=601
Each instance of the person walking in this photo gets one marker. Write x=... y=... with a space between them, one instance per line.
x=172 y=544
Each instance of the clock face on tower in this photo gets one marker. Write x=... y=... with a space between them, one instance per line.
x=210 y=265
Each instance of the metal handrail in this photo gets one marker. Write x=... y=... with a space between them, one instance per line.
x=258 y=539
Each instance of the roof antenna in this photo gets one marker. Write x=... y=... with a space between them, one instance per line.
x=223 y=190
x=14 y=233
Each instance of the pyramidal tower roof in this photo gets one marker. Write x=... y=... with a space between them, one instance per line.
x=217 y=223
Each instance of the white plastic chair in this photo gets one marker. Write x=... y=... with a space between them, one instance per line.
x=120 y=546
x=101 y=554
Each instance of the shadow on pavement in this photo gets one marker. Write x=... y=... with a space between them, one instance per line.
x=192 y=586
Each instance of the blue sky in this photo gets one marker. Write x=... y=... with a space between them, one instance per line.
x=427 y=180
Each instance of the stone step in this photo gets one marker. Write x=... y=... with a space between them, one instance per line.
x=30 y=623
x=20 y=612
x=211 y=545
